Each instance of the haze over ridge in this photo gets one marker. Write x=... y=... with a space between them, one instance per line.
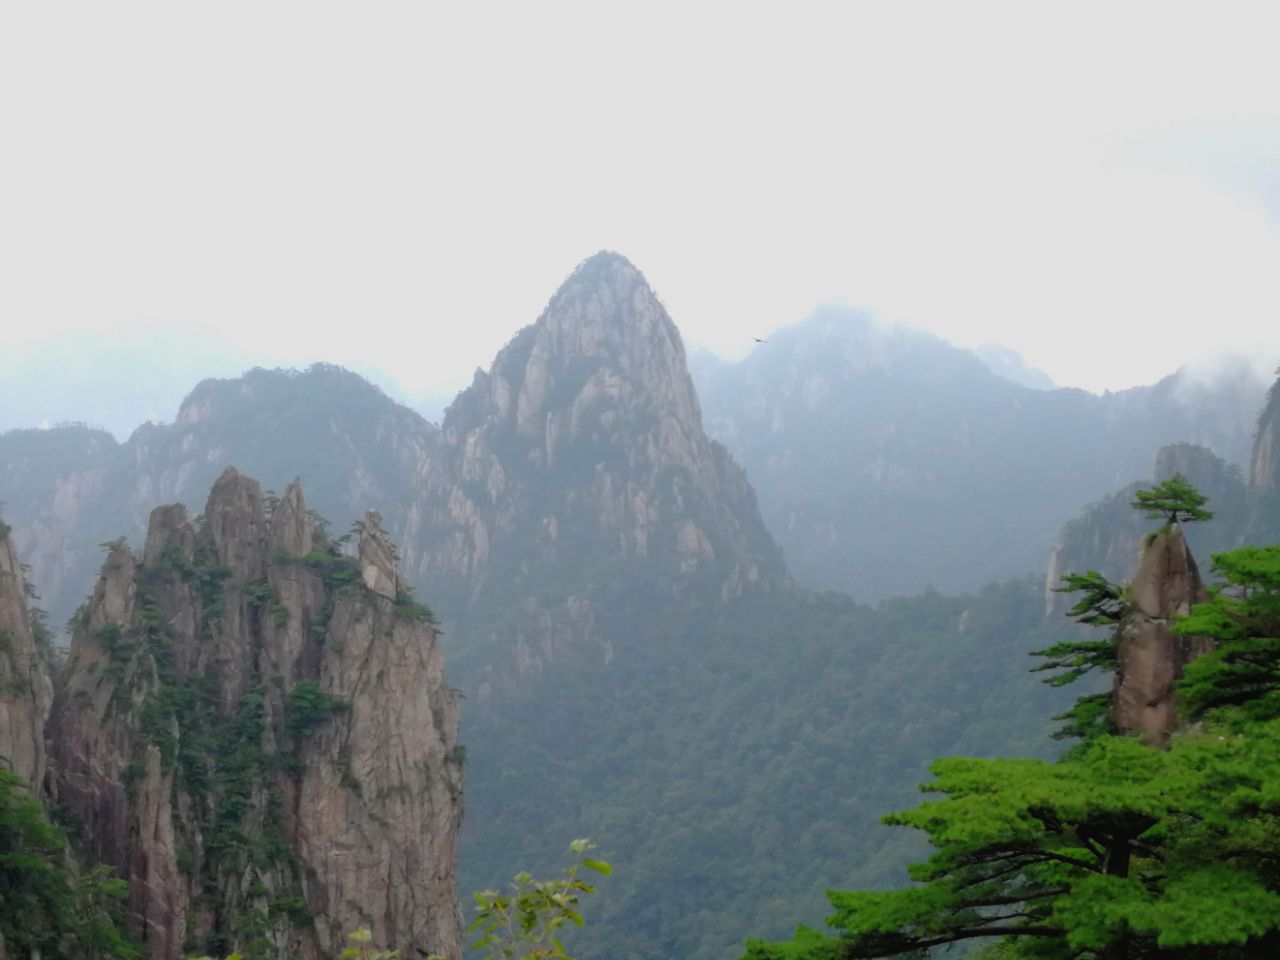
x=125 y=379
x=395 y=196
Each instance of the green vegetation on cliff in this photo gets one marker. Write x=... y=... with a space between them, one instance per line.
x=47 y=908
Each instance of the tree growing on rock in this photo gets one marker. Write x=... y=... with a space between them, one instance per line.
x=1174 y=500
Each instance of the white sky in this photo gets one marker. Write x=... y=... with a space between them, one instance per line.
x=402 y=186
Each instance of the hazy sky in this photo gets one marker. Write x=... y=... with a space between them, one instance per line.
x=402 y=186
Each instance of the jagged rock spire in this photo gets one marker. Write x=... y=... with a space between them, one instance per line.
x=264 y=747
x=290 y=525
x=236 y=522
x=1264 y=473
x=585 y=440
x=1151 y=657
x=24 y=684
x=377 y=557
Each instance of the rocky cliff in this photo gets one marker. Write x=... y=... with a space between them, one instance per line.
x=255 y=731
x=24 y=678
x=1150 y=657
x=1264 y=473
x=578 y=462
x=70 y=488
x=52 y=485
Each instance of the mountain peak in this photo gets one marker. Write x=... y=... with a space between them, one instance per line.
x=599 y=272
x=604 y=260
x=225 y=713
x=608 y=280
x=586 y=435
x=603 y=334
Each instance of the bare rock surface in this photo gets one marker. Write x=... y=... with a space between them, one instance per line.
x=1151 y=657
x=584 y=438
x=290 y=525
x=261 y=744
x=1264 y=473
x=377 y=558
x=24 y=682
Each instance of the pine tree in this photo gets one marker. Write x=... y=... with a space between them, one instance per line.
x=46 y=909
x=1175 y=500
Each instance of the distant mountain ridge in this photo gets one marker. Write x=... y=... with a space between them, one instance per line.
x=125 y=379
x=1107 y=535
x=637 y=664
x=68 y=489
x=1008 y=363
x=887 y=461
x=584 y=438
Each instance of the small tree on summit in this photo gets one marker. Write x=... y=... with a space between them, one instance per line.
x=1175 y=500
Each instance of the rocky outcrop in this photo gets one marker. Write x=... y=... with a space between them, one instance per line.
x=1264 y=467
x=24 y=679
x=583 y=445
x=261 y=745
x=1107 y=536
x=377 y=558
x=71 y=488
x=1150 y=656
x=1264 y=473
x=52 y=483
x=577 y=466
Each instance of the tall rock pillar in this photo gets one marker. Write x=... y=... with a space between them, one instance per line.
x=1151 y=656
x=24 y=685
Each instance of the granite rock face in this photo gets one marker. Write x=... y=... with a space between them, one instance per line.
x=1151 y=657
x=1266 y=455
x=70 y=488
x=1264 y=473
x=25 y=690
x=377 y=558
x=261 y=745
x=584 y=440
x=576 y=467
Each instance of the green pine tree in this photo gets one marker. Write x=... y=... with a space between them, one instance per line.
x=1102 y=604
x=1240 y=678
x=1174 y=500
x=46 y=909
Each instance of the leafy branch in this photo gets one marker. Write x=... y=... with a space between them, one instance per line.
x=527 y=922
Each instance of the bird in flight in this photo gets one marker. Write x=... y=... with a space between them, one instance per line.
x=757 y=340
